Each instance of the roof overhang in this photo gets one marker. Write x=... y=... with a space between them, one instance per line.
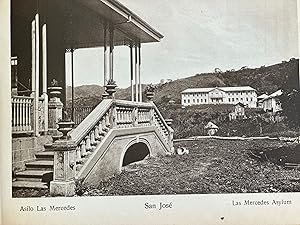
x=123 y=19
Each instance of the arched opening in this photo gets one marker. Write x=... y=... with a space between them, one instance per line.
x=135 y=153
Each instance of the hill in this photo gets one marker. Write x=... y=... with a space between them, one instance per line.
x=265 y=79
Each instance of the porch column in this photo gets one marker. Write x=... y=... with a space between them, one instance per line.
x=105 y=55
x=131 y=73
x=37 y=72
x=72 y=78
x=139 y=72
x=136 y=74
x=45 y=95
x=111 y=53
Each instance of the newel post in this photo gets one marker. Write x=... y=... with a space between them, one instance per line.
x=63 y=183
x=171 y=134
x=55 y=108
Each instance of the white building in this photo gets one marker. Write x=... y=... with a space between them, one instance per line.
x=260 y=100
x=220 y=95
x=272 y=103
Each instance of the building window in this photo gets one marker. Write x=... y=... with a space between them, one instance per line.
x=194 y=100
x=247 y=99
x=201 y=100
x=229 y=99
x=241 y=99
x=184 y=101
x=205 y=100
x=197 y=100
x=188 y=101
x=237 y=99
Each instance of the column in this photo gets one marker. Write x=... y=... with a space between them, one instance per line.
x=136 y=74
x=131 y=72
x=105 y=55
x=37 y=72
x=111 y=53
x=72 y=78
x=139 y=72
x=45 y=96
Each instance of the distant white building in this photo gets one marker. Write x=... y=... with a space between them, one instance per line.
x=220 y=95
x=272 y=102
x=260 y=100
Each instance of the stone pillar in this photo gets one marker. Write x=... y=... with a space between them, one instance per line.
x=63 y=183
x=55 y=110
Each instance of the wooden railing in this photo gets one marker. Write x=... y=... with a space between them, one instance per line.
x=22 y=110
x=116 y=114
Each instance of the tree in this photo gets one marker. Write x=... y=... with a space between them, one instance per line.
x=290 y=103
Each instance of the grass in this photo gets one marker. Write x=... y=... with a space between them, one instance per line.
x=212 y=166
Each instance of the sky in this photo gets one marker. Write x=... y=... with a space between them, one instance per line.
x=199 y=36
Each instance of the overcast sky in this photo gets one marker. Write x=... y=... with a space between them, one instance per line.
x=200 y=35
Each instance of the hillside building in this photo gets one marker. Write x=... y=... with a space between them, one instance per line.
x=220 y=95
x=272 y=102
x=260 y=100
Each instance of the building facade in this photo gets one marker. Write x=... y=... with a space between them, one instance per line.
x=272 y=102
x=220 y=95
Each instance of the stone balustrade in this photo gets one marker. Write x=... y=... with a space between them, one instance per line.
x=114 y=114
x=22 y=114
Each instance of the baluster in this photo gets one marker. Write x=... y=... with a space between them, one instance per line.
x=29 y=114
x=127 y=117
x=93 y=141
x=118 y=116
x=78 y=155
x=107 y=123
x=88 y=146
x=14 y=114
x=23 y=128
x=26 y=114
x=82 y=148
x=18 y=114
x=97 y=136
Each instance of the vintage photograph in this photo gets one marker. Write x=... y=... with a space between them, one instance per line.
x=125 y=97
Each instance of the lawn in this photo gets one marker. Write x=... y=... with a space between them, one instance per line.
x=212 y=166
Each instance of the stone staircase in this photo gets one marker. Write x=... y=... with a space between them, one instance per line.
x=38 y=173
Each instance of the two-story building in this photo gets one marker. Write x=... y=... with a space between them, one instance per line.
x=220 y=95
x=272 y=102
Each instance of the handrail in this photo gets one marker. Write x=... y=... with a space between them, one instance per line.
x=90 y=121
x=116 y=114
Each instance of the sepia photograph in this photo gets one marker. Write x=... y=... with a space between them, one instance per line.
x=131 y=98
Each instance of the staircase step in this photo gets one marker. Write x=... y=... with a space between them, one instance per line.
x=40 y=164
x=45 y=155
x=29 y=184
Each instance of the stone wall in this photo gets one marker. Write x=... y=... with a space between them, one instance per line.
x=24 y=149
x=110 y=162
